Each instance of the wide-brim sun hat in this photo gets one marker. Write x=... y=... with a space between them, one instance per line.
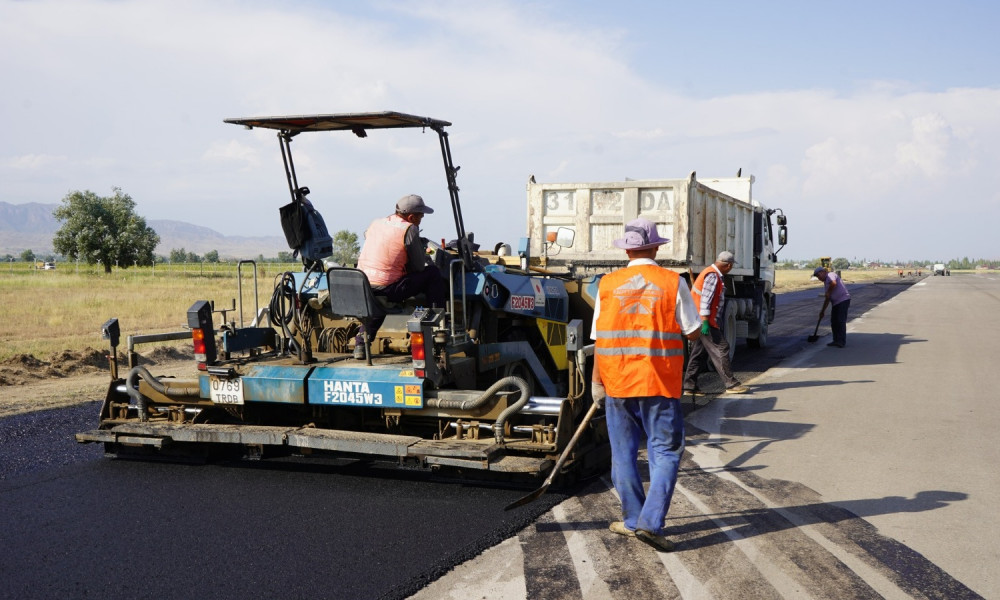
x=640 y=234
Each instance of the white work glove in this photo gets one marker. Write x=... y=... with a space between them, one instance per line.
x=598 y=393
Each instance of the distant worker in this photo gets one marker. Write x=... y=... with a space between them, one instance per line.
x=840 y=298
x=708 y=293
x=641 y=316
x=395 y=260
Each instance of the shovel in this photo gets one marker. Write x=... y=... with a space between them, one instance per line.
x=559 y=463
x=815 y=337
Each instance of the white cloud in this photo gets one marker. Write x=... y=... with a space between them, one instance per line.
x=134 y=94
x=33 y=162
x=233 y=151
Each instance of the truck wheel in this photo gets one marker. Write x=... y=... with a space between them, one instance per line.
x=761 y=340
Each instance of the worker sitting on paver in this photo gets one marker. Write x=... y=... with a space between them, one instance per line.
x=395 y=261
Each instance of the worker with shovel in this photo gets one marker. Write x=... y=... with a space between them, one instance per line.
x=641 y=317
x=840 y=298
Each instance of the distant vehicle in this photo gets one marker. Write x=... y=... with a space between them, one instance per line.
x=940 y=269
x=49 y=266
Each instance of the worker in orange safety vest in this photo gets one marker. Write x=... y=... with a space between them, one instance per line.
x=708 y=293
x=642 y=315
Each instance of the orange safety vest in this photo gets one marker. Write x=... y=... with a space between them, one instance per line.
x=383 y=257
x=699 y=283
x=638 y=345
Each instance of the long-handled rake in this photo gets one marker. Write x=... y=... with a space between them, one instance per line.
x=559 y=463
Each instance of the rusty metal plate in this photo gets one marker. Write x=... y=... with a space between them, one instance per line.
x=352 y=441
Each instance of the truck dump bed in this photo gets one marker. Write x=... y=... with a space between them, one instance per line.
x=701 y=218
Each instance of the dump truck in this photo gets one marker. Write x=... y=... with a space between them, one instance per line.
x=941 y=269
x=492 y=385
x=701 y=217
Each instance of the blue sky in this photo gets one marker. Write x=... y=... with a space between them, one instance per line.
x=875 y=126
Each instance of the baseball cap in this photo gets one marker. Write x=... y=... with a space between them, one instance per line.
x=412 y=203
x=726 y=256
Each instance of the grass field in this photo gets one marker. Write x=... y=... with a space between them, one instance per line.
x=787 y=280
x=46 y=312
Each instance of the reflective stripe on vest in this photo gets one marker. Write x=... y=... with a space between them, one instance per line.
x=383 y=257
x=699 y=284
x=638 y=345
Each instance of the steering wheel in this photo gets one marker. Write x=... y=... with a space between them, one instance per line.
x=432 y=249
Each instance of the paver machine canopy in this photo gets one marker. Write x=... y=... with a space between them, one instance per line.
x=359 y=124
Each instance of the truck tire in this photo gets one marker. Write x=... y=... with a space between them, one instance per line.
x=761 y=340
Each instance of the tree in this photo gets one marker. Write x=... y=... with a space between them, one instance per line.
x=178 y=255
x=106 y=230
x=28 y=256
x=345 y=247
x=841 y=264
x=285 y=257
x=212 y=256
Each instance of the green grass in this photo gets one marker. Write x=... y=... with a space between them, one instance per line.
x=46 y=312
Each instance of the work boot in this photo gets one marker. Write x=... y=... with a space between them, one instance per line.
x=619 y=528
x=658 y=542
x=739 y=388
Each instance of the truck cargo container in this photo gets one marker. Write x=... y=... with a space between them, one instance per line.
x=702 y=217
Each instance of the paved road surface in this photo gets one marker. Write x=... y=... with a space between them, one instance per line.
x=863 y=472
x=76 y=525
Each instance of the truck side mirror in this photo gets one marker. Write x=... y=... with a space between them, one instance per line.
x=782 y=235
x=565 y=237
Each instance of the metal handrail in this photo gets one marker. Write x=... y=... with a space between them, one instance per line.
x=239 y=289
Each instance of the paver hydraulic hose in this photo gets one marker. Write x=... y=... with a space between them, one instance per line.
x=173 y=388
x=485 y=397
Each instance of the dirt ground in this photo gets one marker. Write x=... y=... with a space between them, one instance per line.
x=28 y=383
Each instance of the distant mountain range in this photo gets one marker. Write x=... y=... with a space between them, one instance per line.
x=31 y=226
